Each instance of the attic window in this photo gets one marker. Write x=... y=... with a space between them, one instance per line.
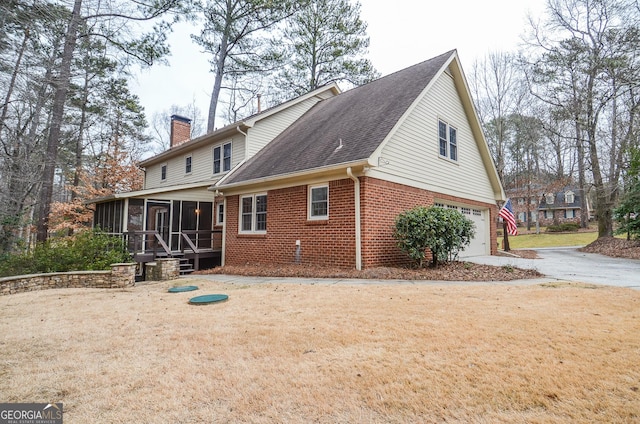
x=448 y=141
x=549 y=198
x=569 y=197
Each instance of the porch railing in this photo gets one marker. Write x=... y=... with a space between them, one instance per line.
x=146 y=242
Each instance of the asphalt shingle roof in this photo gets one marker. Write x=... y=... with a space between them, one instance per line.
x=361 y=118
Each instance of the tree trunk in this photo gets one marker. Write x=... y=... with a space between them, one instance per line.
x=61 y=89
x=217 y=84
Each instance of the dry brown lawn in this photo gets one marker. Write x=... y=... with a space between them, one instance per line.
x=482 y=353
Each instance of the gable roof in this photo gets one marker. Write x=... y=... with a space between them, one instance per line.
x=559 y=200
x=243 y=125
x=358 y=120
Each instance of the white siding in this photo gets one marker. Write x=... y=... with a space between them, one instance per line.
x=201 y=165
x=201 y=194
x=267 y=129
x=412 y=155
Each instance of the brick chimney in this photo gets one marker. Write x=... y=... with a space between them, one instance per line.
x=180 y=130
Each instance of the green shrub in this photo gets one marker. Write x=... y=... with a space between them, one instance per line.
x=86 y=251
x=564 y=227
x=445 y=232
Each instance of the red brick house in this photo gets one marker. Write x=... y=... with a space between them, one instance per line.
x=320 y=179
x=327 y=189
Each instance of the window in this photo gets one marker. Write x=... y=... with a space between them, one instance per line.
x=569 y=213
x=522 y=216
x=548 y=214
x=520 y=201
x=222 y=158
x=569 y=197
x=220 y=214
x=549 y=198
x=253 y=214
x=163 y=173
x=319 y=202
x=448 y=141
x=466 y=211
x=187 y=165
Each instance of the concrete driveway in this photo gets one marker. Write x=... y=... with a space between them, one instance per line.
x=568 y=264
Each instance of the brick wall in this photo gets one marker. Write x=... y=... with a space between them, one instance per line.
x=326 y=243
x=332 y=242
x=120 y=276
x=382 y=201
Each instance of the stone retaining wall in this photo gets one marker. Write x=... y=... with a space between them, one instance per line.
x=162 y=269
x=120 y=276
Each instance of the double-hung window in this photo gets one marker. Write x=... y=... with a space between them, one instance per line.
x=253 y=214
x=448 y=141
x=163 y=173
x=222 y=158
x=220 y=214
x=319 y=202
x=187 y=164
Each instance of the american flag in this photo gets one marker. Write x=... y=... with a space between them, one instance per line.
x=507 y=214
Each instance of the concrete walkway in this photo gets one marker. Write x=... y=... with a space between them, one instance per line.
x=557 y=264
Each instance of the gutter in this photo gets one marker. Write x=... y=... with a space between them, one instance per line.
x=356 y=182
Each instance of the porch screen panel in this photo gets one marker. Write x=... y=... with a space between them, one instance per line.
x=136 y=213
x=205 y=224
x=108 y=216
x=175 y=225
x=135 y=222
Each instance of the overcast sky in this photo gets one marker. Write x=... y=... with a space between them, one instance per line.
x=402 y=33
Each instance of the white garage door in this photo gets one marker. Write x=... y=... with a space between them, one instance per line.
x=479 y=244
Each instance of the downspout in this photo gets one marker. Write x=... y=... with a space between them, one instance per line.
x=224 y=233
x=246 y=141
x=356 y=182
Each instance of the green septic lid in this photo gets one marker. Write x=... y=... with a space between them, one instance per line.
x=182 y=289
x=208 y=298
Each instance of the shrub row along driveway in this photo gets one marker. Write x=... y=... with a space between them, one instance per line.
x=569 y=264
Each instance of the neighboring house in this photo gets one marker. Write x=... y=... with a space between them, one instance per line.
x=560 y=207
x=525 y=205
x=320 y=179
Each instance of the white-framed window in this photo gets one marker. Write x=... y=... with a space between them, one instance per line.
x=520 y=201
x=318 y=202
x=448 y=141
x=188 y=164
x=163 y=172
x=549 y=197
x=569 y=213
x=522 y=216
x=253 y=214
x=222 y=158
x=569 y=197
x=220 y=213
x=548 y=214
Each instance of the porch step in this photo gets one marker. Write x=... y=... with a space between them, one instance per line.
x=185 y=266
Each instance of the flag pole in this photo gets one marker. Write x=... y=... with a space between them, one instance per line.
x=505 y=240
